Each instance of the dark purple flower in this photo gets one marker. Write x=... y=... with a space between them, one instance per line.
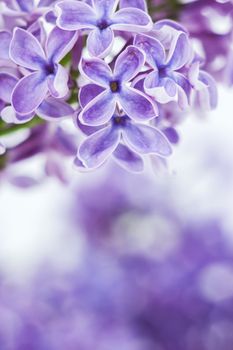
x=101 y=19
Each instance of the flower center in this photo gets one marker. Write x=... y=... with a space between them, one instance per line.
x=114 y=86
x=102 y=24
x=120 y=120
x=49 y=69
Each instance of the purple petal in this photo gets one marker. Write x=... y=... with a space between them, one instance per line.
x=26 y=51
x=96 y=70
x=154 y=50
x=98 y=111
x=105 y=7
x=131 y=19
x=99 y=42
x=128 y=159
x=29 y=93
x=26 y=6
x=129 y=63
x=88 y=92
x=163 y=90
x=136 y=104
x=5 y=39
x=57 y=83
x=7 y=84
x=52 y=109
x=140 y=4
x=9 y=115
x=146 y=139
x=179 y=52
x=59 y=43
x=208 y=95
x=184 y=90
x=75 y=15
x=95 y=150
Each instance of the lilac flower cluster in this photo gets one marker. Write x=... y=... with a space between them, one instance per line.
x=105 y=65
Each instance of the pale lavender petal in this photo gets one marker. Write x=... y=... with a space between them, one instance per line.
x=2 y=149
x=98 y=111
x=146 y=139
x=140 y=4
x=128 y=159
x=179 y=52
x=59 y=43
x=7 y=84
x=26 y=51
x=184 y=90
x=136 y=104
x=208 y=95
x=57 y=83
x=27 y=5
x=9 y=115
x=88 y=92
x=99 y=42
x=131 y=19
x=97 y=147
x=105 y=7
x=75 y=15
x=5 y=39
x=170 y=23
x=45 y=3
x=129 y=63
x=163 y=90
x=53 y=109
x=96 y=70
x=154 y=50
x=29 y=93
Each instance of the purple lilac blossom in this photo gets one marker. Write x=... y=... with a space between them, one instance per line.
x=102 y=20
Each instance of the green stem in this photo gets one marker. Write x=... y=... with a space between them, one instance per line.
x=6 y=129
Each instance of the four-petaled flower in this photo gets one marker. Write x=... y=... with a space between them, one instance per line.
x=116 y=89
x=102 y=20
x=46 y=75
x=166 y=83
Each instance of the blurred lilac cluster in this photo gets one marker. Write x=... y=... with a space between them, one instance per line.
x=149 y=276
x=104 y=66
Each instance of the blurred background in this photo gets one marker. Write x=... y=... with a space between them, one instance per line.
x=113 y=260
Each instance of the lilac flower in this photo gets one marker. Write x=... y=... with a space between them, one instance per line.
x=46 y=75
x=121 y=137
x=166 y=82
x=102 y=20
x=116 y=91
x=24 y=12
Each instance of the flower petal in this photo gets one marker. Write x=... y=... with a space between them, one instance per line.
x=75 y=15
x=59 y=43
x=88 y=92
x=129 y=63
x=146 y=139
x=9 y=115
x=96 y=70
x=57 y=83
x=179 y=52
x=154 y=50
x=97 y=147
x=207 y=97
x=52 y=109
x=128 y=159
x=105 y=7
x=5 y=39
x=136 y=104
x=184 y=90
x=7 y=84
x=98 y=111
x=140 y=4
x=26 y=51
x=163 y=90
x=99 y=42
x=131 y=19
x=29 y=93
